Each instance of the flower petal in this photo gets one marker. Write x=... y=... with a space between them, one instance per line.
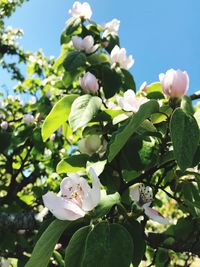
x=135 y=193
x=61 y=208
x=95 y=191
x=154 y=214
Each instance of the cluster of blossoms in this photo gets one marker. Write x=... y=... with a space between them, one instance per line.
x=76 y=197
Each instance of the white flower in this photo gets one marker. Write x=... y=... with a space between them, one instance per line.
x=131 y=102
x=89 y=83
x=143 y=197
x=28 y=119
x=118 y=56
x=112 y=26
x=81 y=10
x=52 y=137
x=4 y=125
x=47 y=152
x=86 y=44
x=175 y=83
x=77 y=197
x=143 y=87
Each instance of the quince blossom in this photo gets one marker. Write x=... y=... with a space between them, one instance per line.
x=81 y=10
x=118 y=56
x=86 y=44
x=77 y=197
x=131 y=102
x=143 y=197
x=4 y=125
x=28 y=119
x=89 y=83
x=112 y=26
x=175 y=83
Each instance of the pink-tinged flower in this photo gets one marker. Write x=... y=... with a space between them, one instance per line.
x=175 y=83
x=81 y=10
x=90 y=144
x=143 y=87
x=28 y=119
x=77 y=197
x=89 y=83
x=112 y=26
x=4 y=125
x=143 y=195
x=86 y=44
x=118 y=56
x=131 y=102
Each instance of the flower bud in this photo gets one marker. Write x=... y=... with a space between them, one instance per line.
x=86 y=44
x=118 y=56
x=175 y=83
x=28 y=119
x=89 y=145
x=89 y=83
x=4 y=125
x=81 y=10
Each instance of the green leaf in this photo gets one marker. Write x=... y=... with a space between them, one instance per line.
x=120 y=138
x=76 y=247
x=186 y=105
x=84 y=108
x=197 y=117
x=72 y=164
x=135 y=230
x=185 y=137
x=154 y=91
x=96 y=59
x=128 y=81
x=5 y=138
x=111 y=81
x=108 y=245
x=72 y=25
x=58 y=115
x=45 y=245
x=106 y=203
x=74 y=60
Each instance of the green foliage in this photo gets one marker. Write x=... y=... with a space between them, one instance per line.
x=74 y=60
x=185 y=137
x=120 y=138
x=58 y=115
x=107 y=251
x=72 y=164
x=83 y=109
x=45 y=245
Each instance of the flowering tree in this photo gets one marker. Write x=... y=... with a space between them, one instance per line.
x=107 y=173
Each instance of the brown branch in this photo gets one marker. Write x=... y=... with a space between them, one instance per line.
x=195 y=96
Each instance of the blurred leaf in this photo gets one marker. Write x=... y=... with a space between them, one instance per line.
x=128 y=81
x=186 y=105
x=72 y=25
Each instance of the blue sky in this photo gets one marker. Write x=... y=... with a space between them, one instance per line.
x=159 y=34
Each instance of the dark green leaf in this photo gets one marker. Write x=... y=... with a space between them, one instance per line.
x=108 y=245
x=72 y=25
x=185 y=137
x=76 y=248
x=120 y=138
x=111 y=81
x=74 y=60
